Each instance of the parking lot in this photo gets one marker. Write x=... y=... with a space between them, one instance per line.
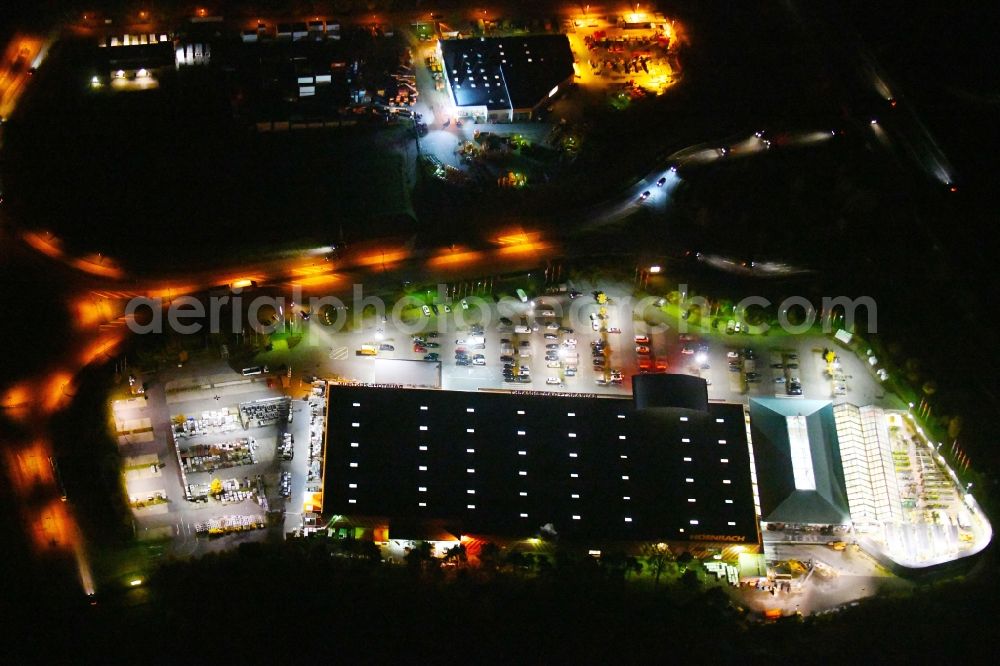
x=589 y=345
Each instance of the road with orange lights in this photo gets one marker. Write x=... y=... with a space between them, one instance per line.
x=19 y=59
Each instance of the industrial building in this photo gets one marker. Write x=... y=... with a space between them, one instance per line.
x=505 y=79
x=135 y=56
x=583 y=468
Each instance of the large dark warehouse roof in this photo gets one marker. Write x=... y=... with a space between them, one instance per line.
x=507 y=464
x=506 y=72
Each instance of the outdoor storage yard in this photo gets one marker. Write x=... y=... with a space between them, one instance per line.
x=210 y=459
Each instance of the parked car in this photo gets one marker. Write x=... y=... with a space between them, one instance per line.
x=426 y=310
x=642 y=349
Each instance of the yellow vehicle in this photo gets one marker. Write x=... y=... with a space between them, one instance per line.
x=837 y=545
x=797 y=567
x=368 y=350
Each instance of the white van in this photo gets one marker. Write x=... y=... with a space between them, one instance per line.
x=520 y=328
